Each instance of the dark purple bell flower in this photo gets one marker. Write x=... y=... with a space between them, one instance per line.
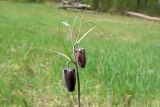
x=80 y=56
x=69 y=78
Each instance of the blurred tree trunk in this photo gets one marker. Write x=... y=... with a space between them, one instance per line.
x=138 y=2
x=138 y=5
x=145 y=3
x=95 y=4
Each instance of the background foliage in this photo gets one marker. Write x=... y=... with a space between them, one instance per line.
x=25 y=0
x=145 y=6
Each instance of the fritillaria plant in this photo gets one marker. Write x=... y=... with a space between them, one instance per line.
x=70 y=75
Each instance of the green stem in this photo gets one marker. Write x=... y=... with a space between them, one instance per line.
x=78 y=78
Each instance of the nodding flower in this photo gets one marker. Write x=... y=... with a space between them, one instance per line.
x=69 y=78
x=80 y=56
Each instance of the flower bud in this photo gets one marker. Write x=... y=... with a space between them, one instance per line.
x=80 y=56
x=69 y=78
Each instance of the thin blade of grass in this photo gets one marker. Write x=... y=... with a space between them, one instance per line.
x=88 y=23
x=25 y=103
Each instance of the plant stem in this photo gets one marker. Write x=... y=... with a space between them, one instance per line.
x=78 y=80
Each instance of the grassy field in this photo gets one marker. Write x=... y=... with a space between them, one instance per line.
x=123 y=59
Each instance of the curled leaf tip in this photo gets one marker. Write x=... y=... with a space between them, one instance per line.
x=65 y=23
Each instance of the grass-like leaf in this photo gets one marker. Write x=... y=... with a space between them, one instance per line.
x=80 y=26
x=63 y=55
x=72 y=29
x=78 y=41
x=93 y=24
x=25 y=103
x=66 y=23
x=65 y=48
x=75 y=19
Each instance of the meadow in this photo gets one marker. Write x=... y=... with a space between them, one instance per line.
x=123 y=59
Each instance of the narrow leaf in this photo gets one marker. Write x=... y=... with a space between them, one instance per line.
x=74 y=22
x=80 y=27
x=65 y=48
x=78 y=41
x=65 y=23
x=72 y=29
x=62 y=55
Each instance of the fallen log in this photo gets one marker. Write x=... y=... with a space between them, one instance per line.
x=75 y=6
x=80 y=10
x=143 y=16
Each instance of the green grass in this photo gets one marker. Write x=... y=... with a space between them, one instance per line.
x=123 y=59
